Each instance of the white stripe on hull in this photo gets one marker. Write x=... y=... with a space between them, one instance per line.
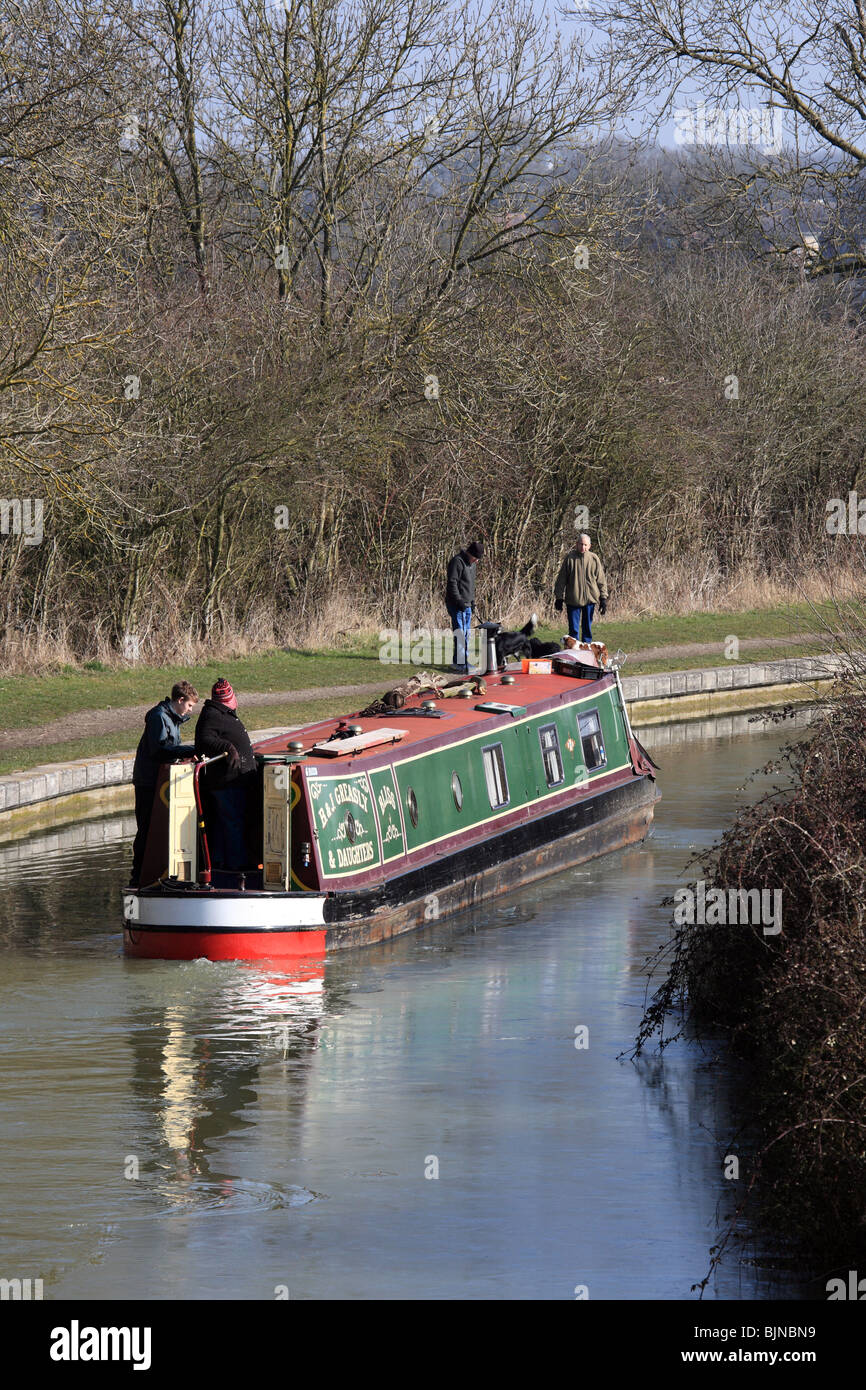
x=209 y=912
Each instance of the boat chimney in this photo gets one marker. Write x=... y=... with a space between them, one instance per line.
x=489 y=662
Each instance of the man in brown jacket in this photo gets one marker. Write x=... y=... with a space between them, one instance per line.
x=582 y=584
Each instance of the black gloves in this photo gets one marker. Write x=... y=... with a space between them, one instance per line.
x=558 y=605
x=602 y=607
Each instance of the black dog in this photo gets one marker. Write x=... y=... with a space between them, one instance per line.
x=522 y=643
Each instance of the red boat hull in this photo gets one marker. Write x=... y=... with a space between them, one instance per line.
x=272 y=945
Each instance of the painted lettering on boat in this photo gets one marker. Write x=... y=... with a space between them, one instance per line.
x=386 y=798
x=343 y=792
x=346 y=822
x=390 y=820
x=354 y=854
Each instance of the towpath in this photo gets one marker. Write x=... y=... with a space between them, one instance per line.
x=86 y=723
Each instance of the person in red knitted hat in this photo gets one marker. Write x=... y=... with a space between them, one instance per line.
x=227 y=782
x=223 y=694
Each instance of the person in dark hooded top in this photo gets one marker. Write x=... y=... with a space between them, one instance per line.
x=220 y=730
x=160 y=743
x=460 y=600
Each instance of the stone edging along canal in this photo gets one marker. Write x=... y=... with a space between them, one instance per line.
x=49 y=795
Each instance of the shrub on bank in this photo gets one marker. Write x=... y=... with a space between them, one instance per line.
x=793 y=1001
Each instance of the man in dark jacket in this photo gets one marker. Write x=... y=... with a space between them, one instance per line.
x=160 y=743
x=460 y=598
x=219 y=730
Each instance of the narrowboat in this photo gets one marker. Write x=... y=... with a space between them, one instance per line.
x=370 y=826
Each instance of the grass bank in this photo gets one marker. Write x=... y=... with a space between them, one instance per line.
x=30 y=701
x=125 y=740
x=35 y=699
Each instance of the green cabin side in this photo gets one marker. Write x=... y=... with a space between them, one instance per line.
x=419 y=801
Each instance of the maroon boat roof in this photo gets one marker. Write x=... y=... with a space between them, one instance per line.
x=540 y=691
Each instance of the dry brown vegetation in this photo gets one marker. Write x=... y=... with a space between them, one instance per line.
x=239 y=243
x=792 y=1002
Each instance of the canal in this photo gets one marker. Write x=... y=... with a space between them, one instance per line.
x=448 y=1116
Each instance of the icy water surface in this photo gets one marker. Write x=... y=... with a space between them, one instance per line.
x=412 y=1120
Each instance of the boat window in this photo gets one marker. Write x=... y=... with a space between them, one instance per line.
x=494 y=772
x=412 y=804
x=551 y=755
x=593 y=743
x=457 y=791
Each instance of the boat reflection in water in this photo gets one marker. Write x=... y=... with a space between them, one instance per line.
x=197 y=1074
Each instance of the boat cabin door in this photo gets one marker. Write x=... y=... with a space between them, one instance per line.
x=182 y=823
x=277 y=843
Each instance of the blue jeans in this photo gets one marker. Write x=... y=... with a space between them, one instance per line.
x=461 y=621
x=583 y=618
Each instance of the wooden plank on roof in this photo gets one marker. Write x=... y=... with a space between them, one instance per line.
x=338 y=747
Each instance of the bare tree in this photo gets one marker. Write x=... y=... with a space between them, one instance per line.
x=776 y=97
x=171 y=85
x=63 y=221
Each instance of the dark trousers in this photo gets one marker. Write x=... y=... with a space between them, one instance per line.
x=143 y=811
x=583 y=617
x=226 y=827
